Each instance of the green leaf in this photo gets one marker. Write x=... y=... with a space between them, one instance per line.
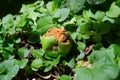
x=114 y=11
x=8 y=24
x=65 y=77
x=9 y=69
x=98 y=75
x=95 y=2
x=62 y=14
x=73 y=35
x=6 y=52
x=21 y=20
x=108 y=19
x=81 y=55
x=110 y=71
x=103 y=60
x=51 y=54
x=7 y=21
x=87 y=14
x=44 y=23
x=23 y=52
x=4 y=77
x=18 y=40
x=48 y=68
x=83 y=73
x=44 y=29
x=81 y=46
x=37 y=63
x=51 y=8
x=30 y=10
x=50 y=64
x=37 y=53
x=99 y=15
x=71 y=63
x=102 y=55
x=7 y=63
x=21 y=63
x=6 y=55
x=12 y=71
x=55 y=61
x=115 y=48
x=85 y=35
x=76 y=5
x=84 y=31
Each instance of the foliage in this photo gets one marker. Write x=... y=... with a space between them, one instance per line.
x=8 y=70
x=89 y=22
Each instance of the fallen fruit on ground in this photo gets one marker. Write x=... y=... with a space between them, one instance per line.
x=56 y=41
